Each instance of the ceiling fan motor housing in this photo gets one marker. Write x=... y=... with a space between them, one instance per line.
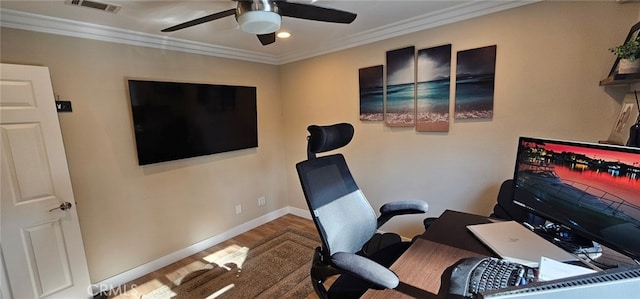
x=263 y=17
x=258 y=16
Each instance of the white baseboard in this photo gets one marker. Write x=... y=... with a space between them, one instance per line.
x=299 y=212
x=117 y=280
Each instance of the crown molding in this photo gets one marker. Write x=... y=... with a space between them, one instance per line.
x=426 y=21
x=39 y=23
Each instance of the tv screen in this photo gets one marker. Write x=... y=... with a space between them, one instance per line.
x=181 y=120
x=593 y=189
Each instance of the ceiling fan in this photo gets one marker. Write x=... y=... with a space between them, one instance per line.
x=262 y=17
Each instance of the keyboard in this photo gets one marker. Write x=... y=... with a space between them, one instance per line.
x=474 y=275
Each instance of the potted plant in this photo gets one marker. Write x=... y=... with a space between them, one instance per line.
x=629 y=54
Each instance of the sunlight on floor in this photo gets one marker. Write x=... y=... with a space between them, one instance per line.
x=231 y=255
x=135 y=291
x=184 y=270
x=225 y=258
x=221 y=291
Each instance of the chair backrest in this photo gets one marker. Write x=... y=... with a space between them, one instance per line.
x=343 y=216
x=506 y=209
x=341 y=213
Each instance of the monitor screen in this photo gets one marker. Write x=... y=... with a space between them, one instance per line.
x=181 y=120
x=593 y=189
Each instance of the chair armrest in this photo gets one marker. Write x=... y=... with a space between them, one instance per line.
x=365 y=269
x=403 y=207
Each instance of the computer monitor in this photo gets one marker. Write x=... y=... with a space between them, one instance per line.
x=591 y=189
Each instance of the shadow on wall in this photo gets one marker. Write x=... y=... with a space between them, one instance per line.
x=184 y=163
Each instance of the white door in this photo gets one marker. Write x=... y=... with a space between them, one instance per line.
x=42 y=248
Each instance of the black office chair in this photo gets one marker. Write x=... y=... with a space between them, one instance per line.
x=505 y=208
x=346 y=221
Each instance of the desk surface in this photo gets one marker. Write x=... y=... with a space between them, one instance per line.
x=451 y=229
x=422 y=269
x=425 y=264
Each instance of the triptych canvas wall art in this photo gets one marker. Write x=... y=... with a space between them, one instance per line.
x=433 y=93
x=372 y=93
x=400 y=95
x=475 y=73
x=415 y=89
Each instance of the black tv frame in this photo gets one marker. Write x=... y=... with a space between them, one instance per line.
x=179 y=120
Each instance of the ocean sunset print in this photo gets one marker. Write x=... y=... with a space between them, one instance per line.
x=433 y=89
x=475 y=76
x=400 y=104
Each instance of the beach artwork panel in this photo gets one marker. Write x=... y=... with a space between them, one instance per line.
x=433 y=89
x=475 y=76
x=400 y=95
x=371 y=93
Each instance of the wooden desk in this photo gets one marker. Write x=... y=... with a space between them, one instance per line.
x=424 y=269
x=425 y=264
x=451 y=229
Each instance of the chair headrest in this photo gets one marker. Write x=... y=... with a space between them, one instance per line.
x=326 y=138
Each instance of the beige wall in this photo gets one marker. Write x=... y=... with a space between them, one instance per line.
x=550 y=57
x=129 y=214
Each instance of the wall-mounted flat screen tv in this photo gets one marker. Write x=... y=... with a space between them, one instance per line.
x=175 y=121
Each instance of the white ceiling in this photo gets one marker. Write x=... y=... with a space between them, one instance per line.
x=139 y=23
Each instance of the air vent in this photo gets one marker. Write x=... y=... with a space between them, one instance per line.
x=112 y=8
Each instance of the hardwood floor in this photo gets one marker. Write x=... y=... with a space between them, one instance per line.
x=158 y=278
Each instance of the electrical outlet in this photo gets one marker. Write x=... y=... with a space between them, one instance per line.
x=262 y=201
x=238 y=209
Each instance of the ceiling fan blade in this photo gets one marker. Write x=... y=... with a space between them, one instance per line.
x=316 y=13
x=201 y=20
x=267 y=39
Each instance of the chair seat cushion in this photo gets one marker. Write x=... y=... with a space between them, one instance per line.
x=380 y=241
x=348 y=286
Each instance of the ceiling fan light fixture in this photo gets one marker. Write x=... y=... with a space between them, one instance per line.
x=259 y=22
x=283 y=34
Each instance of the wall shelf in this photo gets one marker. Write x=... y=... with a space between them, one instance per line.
x=621 y=79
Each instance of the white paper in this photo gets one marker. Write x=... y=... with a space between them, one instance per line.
x=551 y=269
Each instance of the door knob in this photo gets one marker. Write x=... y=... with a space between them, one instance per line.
x=63 y=206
